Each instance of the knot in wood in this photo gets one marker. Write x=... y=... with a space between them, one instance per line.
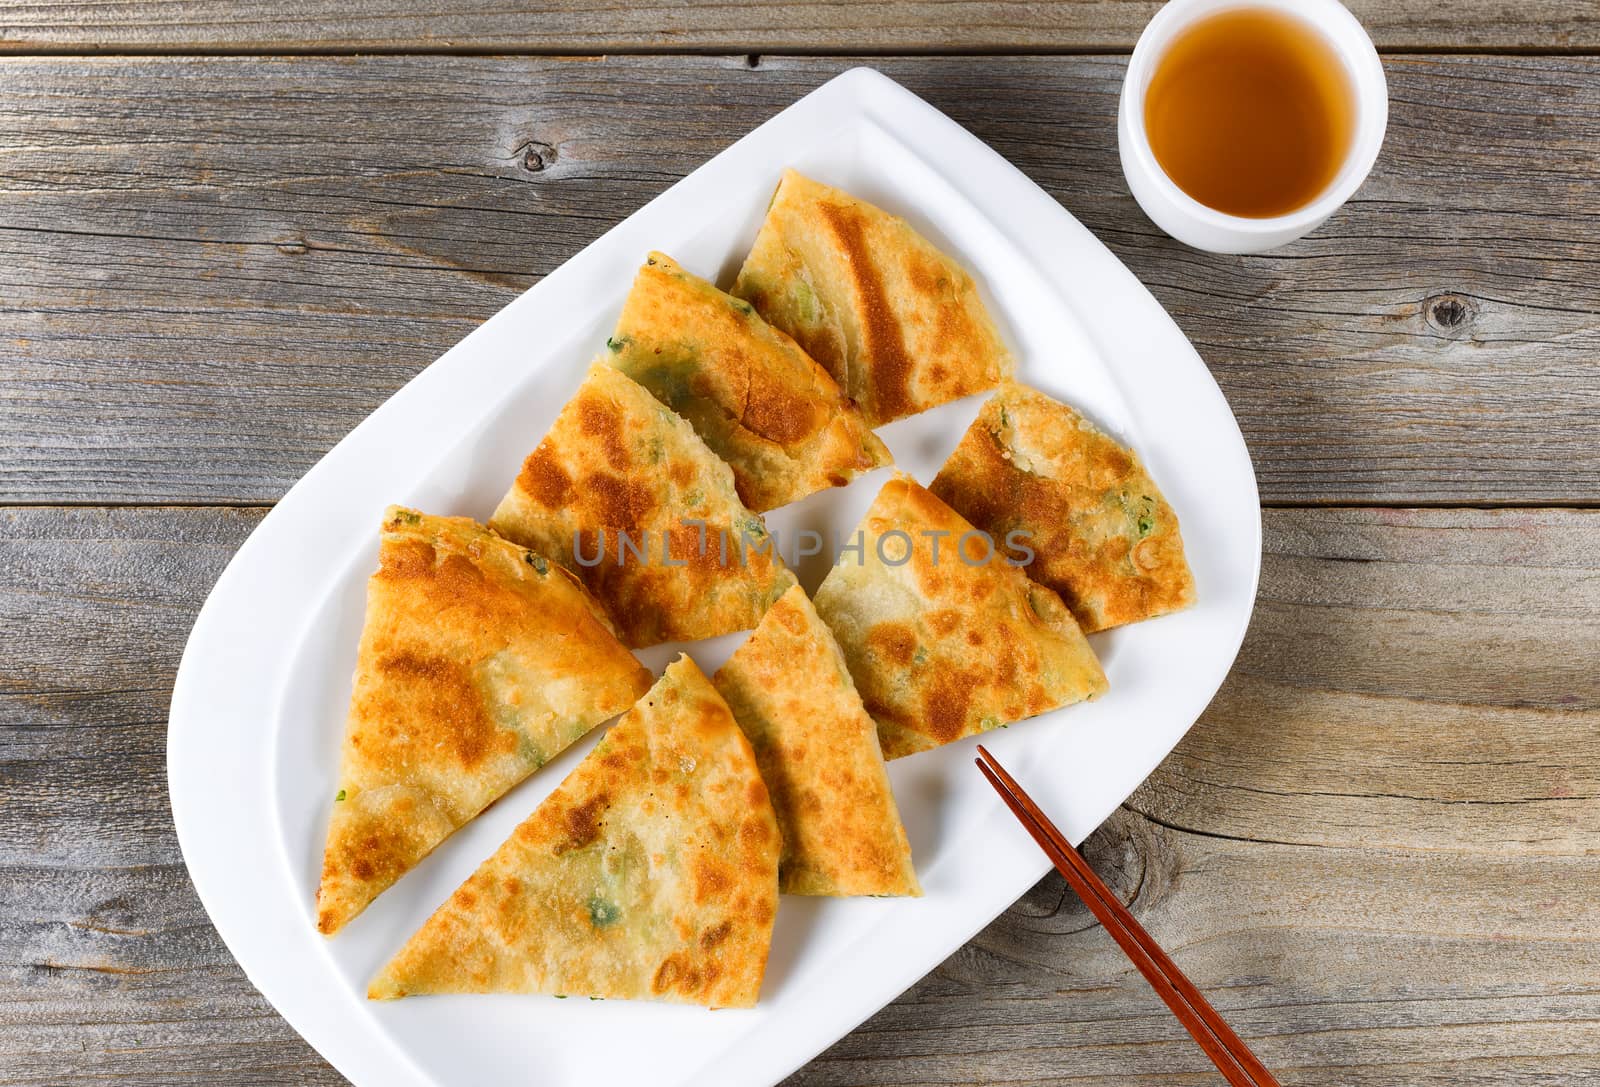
x=535 y=156
x=1449 y=314
x=1121 y=853
x=1117 y=855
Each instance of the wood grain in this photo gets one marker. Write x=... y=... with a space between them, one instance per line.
x=1375 y=852
x=109 y=967
x=211 y=269
x=810 y=26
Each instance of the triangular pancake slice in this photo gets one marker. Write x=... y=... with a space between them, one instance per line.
x=791 y=692
x=1103 y=536
x=650 y=873
x=759 y=401
x=626 y=495
x=945 y=638
x=479 y=661
x=897 y=323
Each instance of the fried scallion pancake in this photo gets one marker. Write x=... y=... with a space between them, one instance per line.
x=626 y=495
x=1104 y=538
x=896 y=322
x=941 y=643
x=791 y=692
x=650 y=873
x=759 y=401
x=479 y=661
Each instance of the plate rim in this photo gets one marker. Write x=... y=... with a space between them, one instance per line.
x=369 y=1054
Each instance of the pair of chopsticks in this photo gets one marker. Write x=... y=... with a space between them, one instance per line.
x=1231 y=1056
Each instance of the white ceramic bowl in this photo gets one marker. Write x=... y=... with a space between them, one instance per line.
x=1192 y=222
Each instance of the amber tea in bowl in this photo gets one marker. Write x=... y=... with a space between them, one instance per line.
x=1250 y=112
x=1244 y=125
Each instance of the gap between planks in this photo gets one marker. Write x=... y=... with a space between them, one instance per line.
x=580 y=51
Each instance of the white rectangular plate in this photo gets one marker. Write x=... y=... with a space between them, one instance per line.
x=258 y=711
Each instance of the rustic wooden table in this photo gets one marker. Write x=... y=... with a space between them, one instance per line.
x=228 y=232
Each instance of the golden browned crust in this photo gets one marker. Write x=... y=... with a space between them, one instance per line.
x=759 y=401
x=618 y=461
x=479 y=661
x=650 y=873
x=942 y=648
x=791 y=692
x=897 y=323
x=1104 y=537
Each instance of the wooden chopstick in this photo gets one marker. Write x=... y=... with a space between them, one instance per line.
x=1225 y=1048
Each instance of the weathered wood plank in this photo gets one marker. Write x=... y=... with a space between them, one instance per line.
x=109 y=968
x=1376 y=849
x=211 y=269
x=575 y=26
x=1450 y=650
